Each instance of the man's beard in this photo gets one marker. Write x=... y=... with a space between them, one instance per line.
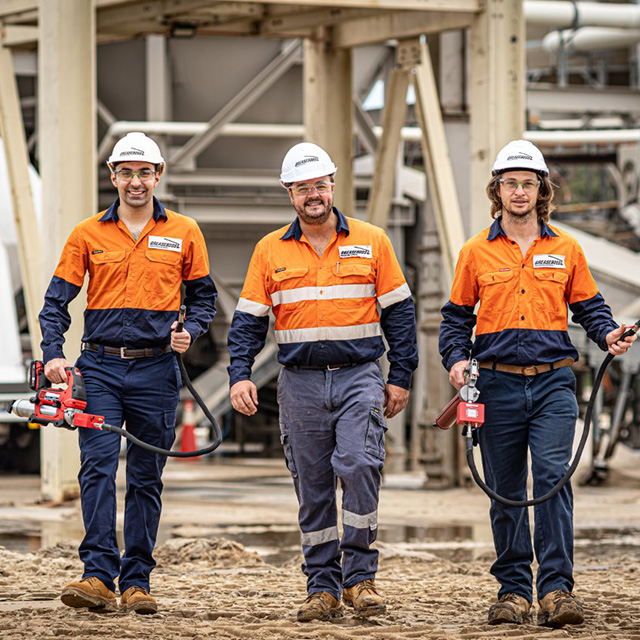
x=520 y=215
x=314 y=219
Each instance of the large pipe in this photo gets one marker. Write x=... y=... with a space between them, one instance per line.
x=615 y=136
x=562 y=14
x=588 y=39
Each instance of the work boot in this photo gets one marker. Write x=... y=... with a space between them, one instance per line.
x=138 y=599
x=558 y=608
x=364 y=598
x=319 y=606
x=511 y=608
x=89 y=592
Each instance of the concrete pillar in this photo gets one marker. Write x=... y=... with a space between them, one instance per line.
x=497 y=94
x=328 y=112
x=67 y=149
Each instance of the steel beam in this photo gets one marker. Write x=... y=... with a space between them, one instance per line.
x=497 y=89
x=289 y=55
x=29 y=249
x=66 y=141
x=328 y=111
x=395 y=110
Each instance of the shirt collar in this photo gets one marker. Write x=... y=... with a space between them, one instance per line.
x=112 y=212
x=295 y=231
x=496 y=230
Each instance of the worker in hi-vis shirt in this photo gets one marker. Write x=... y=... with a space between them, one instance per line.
x=324 y=276
x=524 y=272
x=138 y=255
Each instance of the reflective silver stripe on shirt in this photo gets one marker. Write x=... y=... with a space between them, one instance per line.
x=316 y=334
x=254 y=308
x=333 y=292
x=367 y=521
x=397 y=295
x=313 y=538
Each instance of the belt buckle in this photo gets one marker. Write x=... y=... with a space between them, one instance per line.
x=531 y=370
x=123 y=355
x=330 y=368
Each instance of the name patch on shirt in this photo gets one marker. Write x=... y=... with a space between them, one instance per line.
x=166 y=244
x=548 y=261
x=356 y=251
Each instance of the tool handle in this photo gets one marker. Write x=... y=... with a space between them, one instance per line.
x=448 y=416
x=181 y=314
x=630 y=331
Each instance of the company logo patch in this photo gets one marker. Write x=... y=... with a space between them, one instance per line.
x=520 y=156
x=548 y=261
x=356 y=251
x=307 y=159
x=132 y=152
x=93 y=253
x=166 y=244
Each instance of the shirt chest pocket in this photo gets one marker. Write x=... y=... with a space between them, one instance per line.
x=353 y=283
x=288 y=287
x=162 y=270
x=496 y=292
x=549 y=291
x=108 y=269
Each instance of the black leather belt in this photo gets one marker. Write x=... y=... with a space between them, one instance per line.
x=328 y=367
x=128 y=353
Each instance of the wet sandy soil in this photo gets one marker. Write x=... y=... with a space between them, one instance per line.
x=229 y=557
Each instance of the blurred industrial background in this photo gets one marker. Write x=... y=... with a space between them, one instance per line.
x=412 y=98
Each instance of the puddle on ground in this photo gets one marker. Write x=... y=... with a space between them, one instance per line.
x=279 y=544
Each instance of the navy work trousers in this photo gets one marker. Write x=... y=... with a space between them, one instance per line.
x=535 y=413
x=143 y=393
x=332 y=426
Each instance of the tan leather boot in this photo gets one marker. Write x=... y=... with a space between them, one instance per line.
x=319 y=606
x=558 y=608
x=139 y=600
x=364 y=598
x=89 y=592
x=511 y=608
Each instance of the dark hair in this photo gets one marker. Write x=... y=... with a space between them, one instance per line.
x=544 y=206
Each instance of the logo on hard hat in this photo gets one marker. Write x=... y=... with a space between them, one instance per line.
x=132 y=152
x=520 y=156
x=307 y=159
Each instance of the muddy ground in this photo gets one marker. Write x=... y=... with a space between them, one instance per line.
x=229 y=557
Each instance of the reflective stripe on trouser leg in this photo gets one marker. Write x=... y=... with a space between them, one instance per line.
x=358 y=398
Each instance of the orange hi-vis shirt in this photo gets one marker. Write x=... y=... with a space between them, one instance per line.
x=133 y=294
x=522 y=318
x=326 y=307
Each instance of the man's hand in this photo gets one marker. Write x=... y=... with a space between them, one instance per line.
x=456 y=374
x=244 y=397
x=179 y=341
x=619 y=348
x=395 y=400
x=54 y=370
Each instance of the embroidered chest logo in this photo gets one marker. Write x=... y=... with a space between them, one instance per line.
x=549 y=261
x=356 y=251
x=166 y=244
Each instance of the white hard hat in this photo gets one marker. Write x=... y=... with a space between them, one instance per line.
x=305 y=161
x=520 y=154
x=136 y=147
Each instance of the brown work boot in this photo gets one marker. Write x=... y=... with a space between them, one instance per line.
x=511 y=608
x=319 y=606
x=364 y=598
x=89 y=592
x=139 y=600
x=558 y=608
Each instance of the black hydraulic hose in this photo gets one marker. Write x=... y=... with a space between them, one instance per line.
x=187 y=381
x=576 y=459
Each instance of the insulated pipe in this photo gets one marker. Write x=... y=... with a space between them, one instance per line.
x=615 y=136
x=563 y=14
x=588 y=39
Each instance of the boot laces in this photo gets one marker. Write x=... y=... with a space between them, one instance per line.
x=556 y=596
x=366 y=586
x=510 y=597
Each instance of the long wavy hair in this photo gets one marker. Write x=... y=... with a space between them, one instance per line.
x=544 y=206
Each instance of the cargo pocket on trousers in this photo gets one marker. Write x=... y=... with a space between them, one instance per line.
x=288 y=454
x=374 y=439
x=170 y=419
